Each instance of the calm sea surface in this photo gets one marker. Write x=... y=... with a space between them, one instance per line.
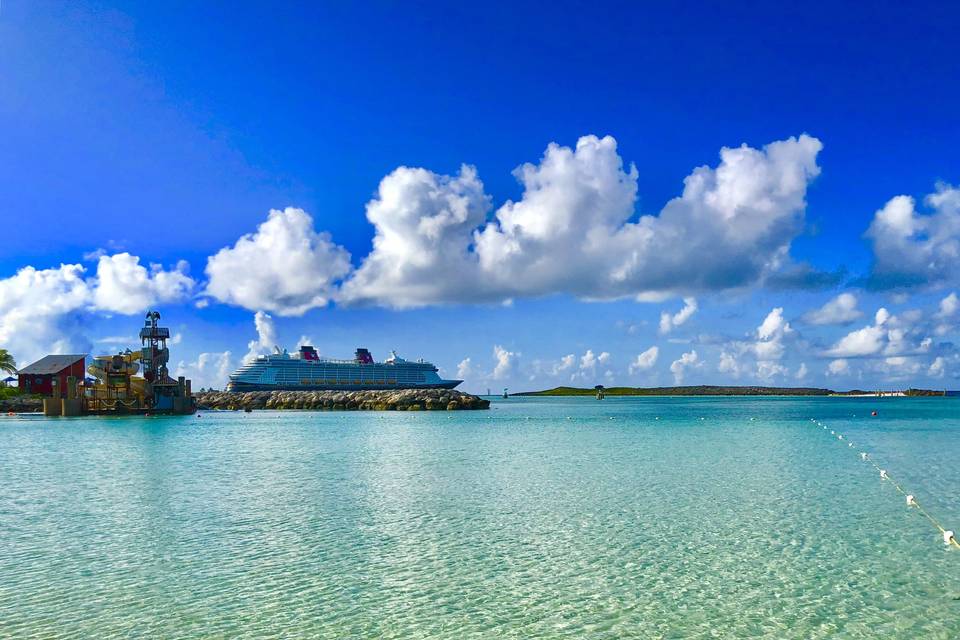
x=648 y=518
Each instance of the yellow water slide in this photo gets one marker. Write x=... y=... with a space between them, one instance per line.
x=121 y=365
x=118 y=372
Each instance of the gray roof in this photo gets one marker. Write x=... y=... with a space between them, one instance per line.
x=51 y=364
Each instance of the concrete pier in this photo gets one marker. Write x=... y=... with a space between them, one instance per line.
x=52 y=406
x=71 y=407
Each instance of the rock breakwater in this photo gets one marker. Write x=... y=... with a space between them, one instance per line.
x=391 y=400
x=21 y=404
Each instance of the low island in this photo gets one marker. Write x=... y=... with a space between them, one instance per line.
x=714 y=390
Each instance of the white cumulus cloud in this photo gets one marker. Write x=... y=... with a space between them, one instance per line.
x=423 y=226
x=589 y=362
x=949 y=306
x=947 y=315
x=125 y=286
x=729 y=364
x=862 y=342
x=464 y=369
x=41 y=311
x=566 y=363
x=839 y=310
x=209 y=370
x=645 y=360
x=937 y=368
x=686 y=361
x=770 y=337
x=889 y=335
x=47 y=310
x=285 y=267
x=913 y=248
x=762 y=353
x=506 y=361
x=668 y=322
x=570 y=232
x=767 y=370
x=898 y=367
x=266 y=336
x=838 y=367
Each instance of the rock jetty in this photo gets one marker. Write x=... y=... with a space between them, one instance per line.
x=21 y=404
x=391 y=400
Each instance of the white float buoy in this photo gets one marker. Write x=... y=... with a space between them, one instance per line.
x=911 y=502
x=850 y=444
x=832 y=432
x=947 y=537
x=863 y=456
x=839 y=437
x=883 y=474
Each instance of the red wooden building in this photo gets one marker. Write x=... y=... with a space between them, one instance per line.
x=39 y=376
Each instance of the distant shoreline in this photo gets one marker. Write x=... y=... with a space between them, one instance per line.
x=716 y=390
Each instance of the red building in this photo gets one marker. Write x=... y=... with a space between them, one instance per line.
x=39 y=376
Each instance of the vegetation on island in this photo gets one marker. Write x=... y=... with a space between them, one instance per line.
x=9 y=392
x=711 y=390
x=924 y=392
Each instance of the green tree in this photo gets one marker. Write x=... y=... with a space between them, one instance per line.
x=7 y=363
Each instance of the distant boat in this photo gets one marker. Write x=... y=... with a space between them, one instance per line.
x=307 y=371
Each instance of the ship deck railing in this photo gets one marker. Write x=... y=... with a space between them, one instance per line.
x=335 y=361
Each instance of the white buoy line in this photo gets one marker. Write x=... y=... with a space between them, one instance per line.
x=948 y=536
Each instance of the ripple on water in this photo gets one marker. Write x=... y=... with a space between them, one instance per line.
x=515 y=522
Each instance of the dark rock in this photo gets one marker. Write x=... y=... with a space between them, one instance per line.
x=394 y=400
x=21 y=404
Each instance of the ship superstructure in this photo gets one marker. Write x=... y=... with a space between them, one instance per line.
x=306 y=370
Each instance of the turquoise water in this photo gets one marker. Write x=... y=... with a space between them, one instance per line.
x=539 y=518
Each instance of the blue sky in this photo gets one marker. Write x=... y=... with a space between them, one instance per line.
x=134 y=135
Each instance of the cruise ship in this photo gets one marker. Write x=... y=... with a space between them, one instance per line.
x=307 y=371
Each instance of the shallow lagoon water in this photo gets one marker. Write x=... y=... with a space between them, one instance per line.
x=565 y=517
